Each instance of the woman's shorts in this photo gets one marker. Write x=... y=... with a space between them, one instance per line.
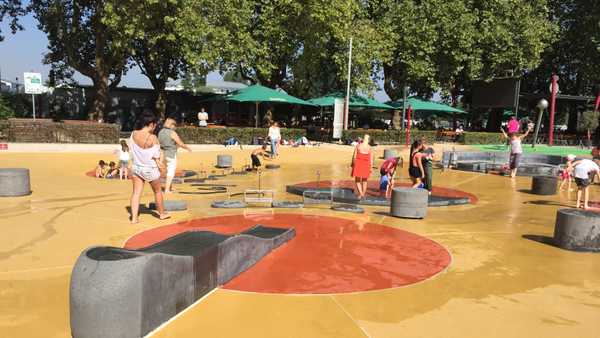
x=124 y=164
x=148 y=174
x=515 y=160
x=582 y=182
x=414 y=172
x=171 y=166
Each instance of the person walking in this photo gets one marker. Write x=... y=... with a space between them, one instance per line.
x=147 y=164
x=169 y=142
x=275 y=137
x=362 y=163
x=516 y=150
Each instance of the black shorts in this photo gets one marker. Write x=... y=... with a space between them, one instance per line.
x=414 y=172
x=255 y=161
x=582 y=182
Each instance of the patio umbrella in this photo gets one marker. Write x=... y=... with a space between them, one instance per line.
x=356 y=101
x=424 y=106
x=258 y=94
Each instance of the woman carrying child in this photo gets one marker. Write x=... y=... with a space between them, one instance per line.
x=516 y=149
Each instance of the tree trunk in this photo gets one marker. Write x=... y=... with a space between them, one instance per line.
x=572 y=122
x=99 y=104
x=161 y=98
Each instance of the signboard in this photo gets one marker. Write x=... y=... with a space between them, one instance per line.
x=33 y=83
x=338 y=118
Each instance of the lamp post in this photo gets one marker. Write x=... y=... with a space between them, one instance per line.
x=541 y=106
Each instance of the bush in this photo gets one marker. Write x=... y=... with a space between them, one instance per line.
x=46 y=131
x=194 y=135
x=388 y=136
x=481 y=138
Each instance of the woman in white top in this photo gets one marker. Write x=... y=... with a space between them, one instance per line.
x=275 y=136
x=147 y=164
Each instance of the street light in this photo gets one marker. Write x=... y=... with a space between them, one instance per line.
x=541 y=106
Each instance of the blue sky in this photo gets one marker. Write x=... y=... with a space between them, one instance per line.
x=23 y=52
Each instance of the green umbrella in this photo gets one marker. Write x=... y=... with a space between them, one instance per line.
x=258 y=94
x=356 y=101
x=419 y=105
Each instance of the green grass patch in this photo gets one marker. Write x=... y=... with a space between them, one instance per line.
x=539 y=149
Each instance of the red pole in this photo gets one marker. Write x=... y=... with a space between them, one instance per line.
x=408 y=113
x=597 y=102
x=552 y=108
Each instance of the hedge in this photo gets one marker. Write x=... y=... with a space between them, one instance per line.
x=4 y=129
x=195 y=135
x=46 y=131
x=481 y=138
x=388 y=136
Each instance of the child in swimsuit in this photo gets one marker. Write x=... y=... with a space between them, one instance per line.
x=101 y=169
x=565 y=174
x=415 y=168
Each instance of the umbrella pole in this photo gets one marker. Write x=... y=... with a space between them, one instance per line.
x=256 y=116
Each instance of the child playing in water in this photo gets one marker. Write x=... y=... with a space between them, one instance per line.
x=583 y=171
x=101 y=169
x=254 y=156
x=387 y=171
x=565 y=174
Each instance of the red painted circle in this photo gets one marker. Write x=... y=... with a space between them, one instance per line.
x=373 y=188
x=328 y=254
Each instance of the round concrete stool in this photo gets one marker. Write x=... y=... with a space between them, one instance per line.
x=224 y=161
x=389 y=153
x=14 y=182
x=543 y=185
x=170 y=205
x=577 y=229
x=409 y=203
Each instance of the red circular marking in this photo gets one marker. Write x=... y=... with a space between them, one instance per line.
x=373 y=188
x=328 y=254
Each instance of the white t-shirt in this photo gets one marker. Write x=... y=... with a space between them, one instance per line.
x=583 y=168
x=274 y=133
x=123 y=155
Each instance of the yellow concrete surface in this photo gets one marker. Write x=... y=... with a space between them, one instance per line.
x=499 y=283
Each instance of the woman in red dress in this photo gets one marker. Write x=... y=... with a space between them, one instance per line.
x=362 y=162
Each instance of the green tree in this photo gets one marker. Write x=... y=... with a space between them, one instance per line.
x=12 y=10
x=79 y=38
x=5 y=110
x=443 y=45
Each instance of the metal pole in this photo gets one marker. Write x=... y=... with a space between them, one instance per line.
x=347 y=106
x=404 y=107
x=537 y=128
x=33 y=105
x=552 y=108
